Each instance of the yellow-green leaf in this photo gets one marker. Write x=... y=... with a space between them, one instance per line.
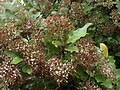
x=104 y=49
x=56 y=43
x=16 y=60
x=72 y=49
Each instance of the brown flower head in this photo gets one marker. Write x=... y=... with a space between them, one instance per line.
x=76 y=12
x=115 y=15
x=109 y=28
x=4 y=36
x=58 y=70
x=36 y=60
x=9 y=72
x=89 y=85
x=106 y=69
x=87 y=55
x=57 y=26
x=105 y=3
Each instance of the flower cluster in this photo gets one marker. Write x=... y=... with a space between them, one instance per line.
x=3 y=1
x=106 y=69
x=5 y=36
x=87 y=55
x=89 y=85
x=57 y=26
x=36 y=60
x=105 y=3
x=109 y=28
x=32 y=52
x=58 y=70
x=77 y=12
x=73 y=9
x=17 y=45
x=29 y=26
x=115 y=15
x=10 y=72
x=46 y=6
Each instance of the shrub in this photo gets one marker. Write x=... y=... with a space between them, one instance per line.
x=54 y=45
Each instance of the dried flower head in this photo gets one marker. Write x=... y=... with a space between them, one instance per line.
x=109 y=28
x=66 y=2
x=115 y=15
x=58 y=70
x=46 y=6
x=89 y=85
x=87 y=55
x=4 y=36
x=40 y=1
x=9 y=72
x=8 y=32
x=36 y=60
x=17 y=45
x=106 y=69
x=57 y=26
x=77 y=12
x=29 y=26
x=105 y=3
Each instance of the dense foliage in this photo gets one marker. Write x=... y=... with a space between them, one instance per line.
x=59 y=44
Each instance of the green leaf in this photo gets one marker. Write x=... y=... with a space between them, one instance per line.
x=12 y=54
x=4 y=20
x=81 y=32
x=16 y=60
x=25 y=40
x=54 y=12
x=118 y=79
x=6 y=5
x=118 y=74
x=112 y=60
x=51 y=49
x=107 y=83
x=97 y=50
x=117 y=54
x=56 y=43
x=118 y=5
x=90 y=73
x=27 y=69
x=99 y=78
x=72 y=49
x=86 y=7
x=31 y=41
x=35 y=16
x=117 y=23
x=81 y=73
x=64 y=11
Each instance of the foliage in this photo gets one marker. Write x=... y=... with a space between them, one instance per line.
x=60 y=45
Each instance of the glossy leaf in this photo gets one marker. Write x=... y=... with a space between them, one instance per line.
x=99 y=78
x=12 y=54
x=104 y=49
x=27 y=69
x=16 y=60
x=72 y=49
x=118 y=74
x=107 y=83
x=25 y=40
x=56 y=43
x=35 y=16
x=81 y=74
x=118 y=5
x=77 y=34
